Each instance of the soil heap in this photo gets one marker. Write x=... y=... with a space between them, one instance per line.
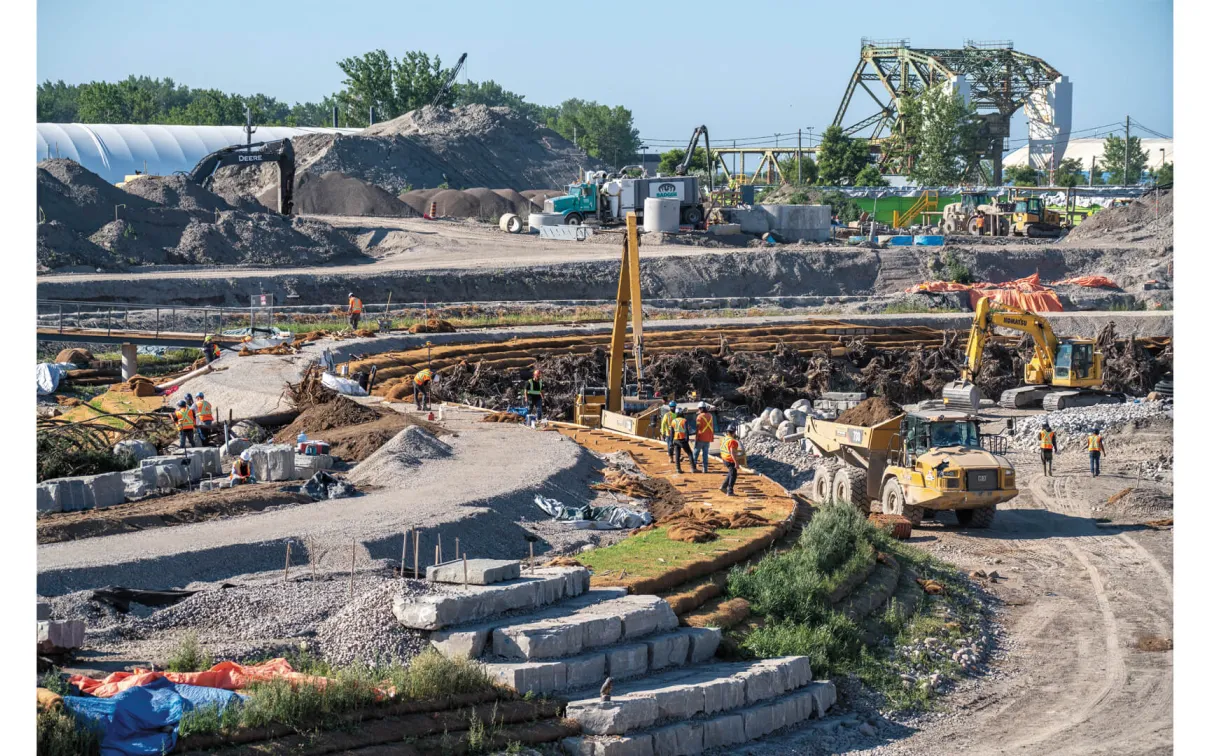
x=165 y=220
x=871 y=412
x=1136 y=223
x=338 y=194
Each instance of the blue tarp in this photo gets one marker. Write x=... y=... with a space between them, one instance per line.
x=143 y=720
x=930 y=240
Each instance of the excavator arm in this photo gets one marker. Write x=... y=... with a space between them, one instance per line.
x=280 y=152
x=683 y=168
x=962 y=392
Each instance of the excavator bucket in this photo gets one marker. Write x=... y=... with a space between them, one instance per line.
x=962 y=395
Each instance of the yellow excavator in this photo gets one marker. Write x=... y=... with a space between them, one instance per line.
x=1062 y=372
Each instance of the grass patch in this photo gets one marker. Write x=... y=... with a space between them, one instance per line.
x=789 y=592
x=189 y=656
x=58 y=734
x=910 y=307
x=639 y=556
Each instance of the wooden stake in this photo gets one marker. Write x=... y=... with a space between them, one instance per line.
x=403 y=558
x=437 y=554
x=287 y=577
x=352 y=570
x=531 y=556
x=311 y=555
x=456 y=552
x=416 y=553
x=439 y=548
x=464 y=579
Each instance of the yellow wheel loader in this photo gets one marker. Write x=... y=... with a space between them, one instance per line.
x=913 y=463
x=1062 y=372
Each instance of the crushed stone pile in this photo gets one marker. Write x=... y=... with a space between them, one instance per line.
x=871 y=412
x=1077 y=422
x=1136 y=223
x=399 y=457
x=77 y=226
x=471 y=146
x=366 y=631
x=337 y=194
x=787 y=464
x=419 y=199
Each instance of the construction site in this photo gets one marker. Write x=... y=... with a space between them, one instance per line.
x=375 y=441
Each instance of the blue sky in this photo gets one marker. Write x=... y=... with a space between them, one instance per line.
x=784 y=68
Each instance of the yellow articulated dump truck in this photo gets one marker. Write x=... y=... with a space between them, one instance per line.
x=928 y=460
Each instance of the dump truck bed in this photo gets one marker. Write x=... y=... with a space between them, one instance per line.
x=829 y=436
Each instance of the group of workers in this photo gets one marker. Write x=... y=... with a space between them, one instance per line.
x=194 y=418
x=676 y=429
x=1094 y=444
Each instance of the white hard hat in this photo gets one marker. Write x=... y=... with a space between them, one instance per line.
x=246 y=455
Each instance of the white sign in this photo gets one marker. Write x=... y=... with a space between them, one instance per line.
x=668 y=190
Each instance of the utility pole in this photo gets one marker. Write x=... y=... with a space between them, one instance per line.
x=248 y=128
x=1092 y=169
x=798 y=159
x=1126 y=157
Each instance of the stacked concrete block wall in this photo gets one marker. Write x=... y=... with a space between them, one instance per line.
x=81 y=492
x=670 y=696
x=208 y=458
x=800 y=222
x=272 y=462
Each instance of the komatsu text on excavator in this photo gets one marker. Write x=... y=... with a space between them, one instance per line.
x=1062 y=372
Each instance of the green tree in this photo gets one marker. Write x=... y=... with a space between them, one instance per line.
x=1115 y=160
x=789 y=169
x=870 y=176
x=1068 y=172
x=1162 y=174
x=102 y=102
x=843 y=207
x=1021 y=175
x=840 y=157
x=601 y=131
x=939 y=136
x=672 y=158
x=58 y=102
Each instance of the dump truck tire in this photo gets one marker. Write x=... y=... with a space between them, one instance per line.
x=821 y=484
x=976 y=518
x=894 y=502
x=848 y=484
x=573 y=219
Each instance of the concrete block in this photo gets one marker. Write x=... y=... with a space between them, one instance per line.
x=43 y=610
x=681 y=739
x=753 y=221
x=823 y=694
x=306 y=465
x=460 y=644
x=703 y=643
x=234 y=447
x=678 y=701
x=538 y=640
x=800 y=222
x=477 y=571
x=667 y=651
x=105 y=490
x=724 y=229
x=137 y=448
x=71 y=493
x=761 y=683
x=139 y=482
x=190 y=468
x=613 y=717
x=526 y=677
x=723 y=731
x=627 y=661
x=722 y=694
x=845 y=396
x=438 y=611
x=645 y=615
x=795 y=671
x=758 y=722
x=48 y=498
x=213 y=484
x=586 y=670
x=272 y=462
x=60 y=634
x=211 y=460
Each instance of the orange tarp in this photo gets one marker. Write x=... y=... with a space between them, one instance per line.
x=226 y=675
x=1027 y=293
x=1090 y=281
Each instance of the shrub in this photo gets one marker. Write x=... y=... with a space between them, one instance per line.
x=59 y=734
x=189 y=656
x=60 y=456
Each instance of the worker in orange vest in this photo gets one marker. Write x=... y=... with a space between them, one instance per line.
x=423 y=383
x=354 y=311
x=1095 y=445
x=680 y=439
x=980 y=222
x=1046 y=444
x=703 y=436
x=203 y=414
x=241 y=470
x=185 y=423
x=729 y=451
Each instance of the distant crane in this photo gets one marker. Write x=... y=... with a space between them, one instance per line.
x=448 y=86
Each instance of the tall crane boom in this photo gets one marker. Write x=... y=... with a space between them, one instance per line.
x=444 y=92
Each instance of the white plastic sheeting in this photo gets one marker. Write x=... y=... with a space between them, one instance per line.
x=49 y=375
x=114 y=151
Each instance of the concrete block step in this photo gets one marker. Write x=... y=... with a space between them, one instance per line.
x=465 y=604
x=595 y=626
x=728 y=728
x=685 y=645
x=688 y=692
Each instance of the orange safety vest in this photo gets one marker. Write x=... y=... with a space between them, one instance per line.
x=730 y=447
x=241 y=469
x=1047 y=439
x=205 y=412
x=355 y=305
x=1094 y=443
x=423 y=377
x=680 y=429
x=184 y=418
x=705 y=427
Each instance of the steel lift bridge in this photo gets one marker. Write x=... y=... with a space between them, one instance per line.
x=996 y=78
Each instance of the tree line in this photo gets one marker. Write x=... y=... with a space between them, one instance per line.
x=391 y=86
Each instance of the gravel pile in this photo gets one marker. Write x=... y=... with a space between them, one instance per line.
x=1077 y=421
x=399 y=457
x=338 y=194
x=785 y=462
x=366 y=631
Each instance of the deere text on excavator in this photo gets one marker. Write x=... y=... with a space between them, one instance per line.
x=1062 y=372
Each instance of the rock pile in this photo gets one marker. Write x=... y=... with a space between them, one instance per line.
x=1079 y=421
x=398 y=457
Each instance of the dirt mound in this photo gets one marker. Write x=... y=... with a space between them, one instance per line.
x=875 y=410
x=338 y=194
x=539 y=196
x=127 y=245
x=433 y=325
x=453 y=203
x=75 y=356
x=337 y=413
x=517 y=202
x=61 y=247
x=491 y=205
x=261 y=239
x=80 y=199
x=418 y=199
x=398 y=457
x=251 y=188
x=177 y=192
x=1136 y=223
